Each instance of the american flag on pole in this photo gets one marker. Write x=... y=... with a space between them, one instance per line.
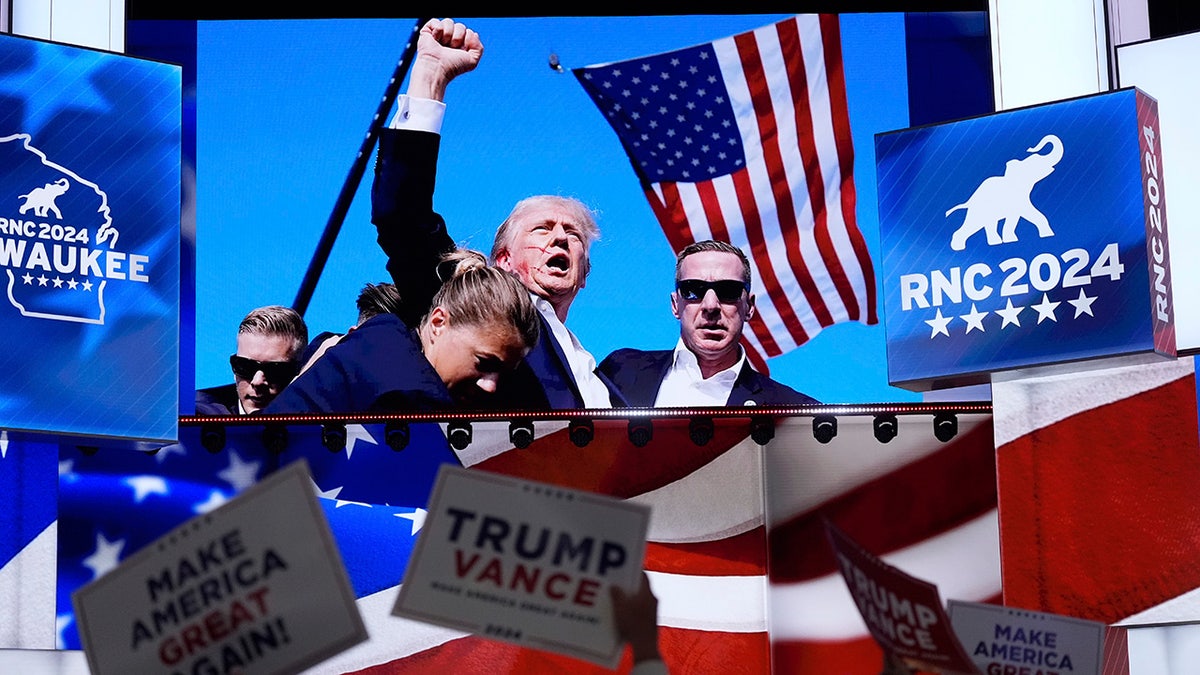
x=747 y=140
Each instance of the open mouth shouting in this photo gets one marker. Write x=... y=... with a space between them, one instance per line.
x=558 y=263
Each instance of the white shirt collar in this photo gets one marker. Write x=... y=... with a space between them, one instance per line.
x=580 y=361
x=684 y=385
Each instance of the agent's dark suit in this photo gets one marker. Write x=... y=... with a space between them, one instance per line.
x=221 y=400
x=638 y=374
x=377 y=368
x=413 y=236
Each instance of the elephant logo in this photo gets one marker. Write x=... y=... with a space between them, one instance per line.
x=41 y=199
x=1007 y=198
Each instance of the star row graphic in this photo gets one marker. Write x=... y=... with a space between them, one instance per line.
x=1010 y=314
x=57 y=282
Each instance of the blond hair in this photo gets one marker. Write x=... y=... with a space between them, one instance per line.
x=476 y=294
x=277 y=320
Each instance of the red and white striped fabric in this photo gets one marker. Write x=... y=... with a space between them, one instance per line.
x=928 y=507
x=1097 y=474
x=747 y=140
x=706 y=557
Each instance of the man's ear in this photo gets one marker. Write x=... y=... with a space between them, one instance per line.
x=504 y=261
x=750 y=310
x=675 y=303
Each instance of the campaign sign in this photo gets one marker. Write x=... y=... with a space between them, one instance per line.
x=1028 y=237
x=254 y=586
x=525 y=562
x=904 y=614
x=89 y=241
x=1011 y=641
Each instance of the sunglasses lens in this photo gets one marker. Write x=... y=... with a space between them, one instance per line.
x=728 y=290
x=691 y=290
x=273 y=371
x=694 y=290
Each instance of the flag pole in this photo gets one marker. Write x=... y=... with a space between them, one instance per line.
x=350 y=186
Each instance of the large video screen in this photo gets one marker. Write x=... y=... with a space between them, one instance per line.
x=283 y=107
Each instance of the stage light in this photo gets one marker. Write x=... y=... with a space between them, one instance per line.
x=886 y=426
x=396 y=435
x=88 y=450
x=520 y=433
x=581 y=432
x=945 y=426
x=824 y=428
x=459 y=434
x=641 y=430
x=762 y=429
x=212 y=437
x=700 y=429
x=275 y=438
x=333 y=436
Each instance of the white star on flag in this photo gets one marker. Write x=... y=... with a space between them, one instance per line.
x=355 y=433
x=1045 y=309
x=1083 y=304
x=240 y=474
x=61 y=621
x=974 y=319
x=339 y=503
x=938 y=324
x=1010 y=314
x=417 y=517
x=327 y=494
x=215 y=499
x=144 y=486
x=105 y=557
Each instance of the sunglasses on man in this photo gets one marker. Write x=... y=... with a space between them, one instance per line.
x=273 y=371
x=727 y=290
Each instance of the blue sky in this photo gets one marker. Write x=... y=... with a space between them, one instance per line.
x=283 y=105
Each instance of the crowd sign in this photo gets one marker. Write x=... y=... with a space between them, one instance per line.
x=255 y=586
x=904 y=614
x=524 y=562
x=90 y=181
x=1011 y=641
x=1027 y=237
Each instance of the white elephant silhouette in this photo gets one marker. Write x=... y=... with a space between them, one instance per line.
x=41 y=199
x=1006 y=198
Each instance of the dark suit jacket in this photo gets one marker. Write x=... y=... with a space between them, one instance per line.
x=414 y=238
x=222 y=400
x=313 y=344
x=377 y=368
x=638 y=374
x=544 y=380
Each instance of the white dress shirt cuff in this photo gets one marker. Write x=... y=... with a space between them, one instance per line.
x=418 y=114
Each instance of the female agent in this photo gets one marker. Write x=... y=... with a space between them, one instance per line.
x=481 y=324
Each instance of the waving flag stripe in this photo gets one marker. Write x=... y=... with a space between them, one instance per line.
x=925 y=506
x=778 y=186
x=836 y=79
x=739 y=554
x=815 y=208
x=1109 y=423
x=968 y=462
x=764 y=191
